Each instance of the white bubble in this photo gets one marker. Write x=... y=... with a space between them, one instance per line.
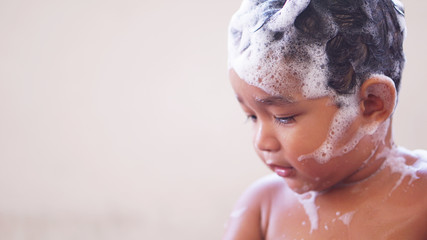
x=308 y=201
x=397 y=164
x=265 y=54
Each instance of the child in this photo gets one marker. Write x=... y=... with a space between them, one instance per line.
x=319 y=81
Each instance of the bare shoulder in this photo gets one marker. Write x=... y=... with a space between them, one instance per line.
x=411 y=196
x=419 y=165
x=250 y=214
x=420 y=156
x=265 y=187
x=414 y=176
x=420 y=183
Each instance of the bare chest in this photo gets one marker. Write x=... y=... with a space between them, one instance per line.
x=358 y=219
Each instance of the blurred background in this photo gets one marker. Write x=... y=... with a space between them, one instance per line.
x=117 y=120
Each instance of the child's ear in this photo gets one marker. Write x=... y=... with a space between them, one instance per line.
x=378 y=98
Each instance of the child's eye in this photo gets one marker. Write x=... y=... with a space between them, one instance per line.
x=285 y=120
x=251 y=118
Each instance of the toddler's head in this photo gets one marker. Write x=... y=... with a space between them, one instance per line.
x=331 y=46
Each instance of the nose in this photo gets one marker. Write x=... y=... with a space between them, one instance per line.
x=266 y=139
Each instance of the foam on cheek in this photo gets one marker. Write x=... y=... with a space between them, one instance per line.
x=341 y=122
x=268 y=53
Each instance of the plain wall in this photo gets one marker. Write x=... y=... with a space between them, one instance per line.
x=117 y=120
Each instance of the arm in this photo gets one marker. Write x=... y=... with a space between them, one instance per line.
x=248 y=220
x=245 y=220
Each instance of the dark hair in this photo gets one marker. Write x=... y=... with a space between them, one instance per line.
x=368 y=39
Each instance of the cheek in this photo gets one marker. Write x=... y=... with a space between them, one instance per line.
x=313 y=132
x=308 y=137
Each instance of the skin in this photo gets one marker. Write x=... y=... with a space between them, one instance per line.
x=357 y=186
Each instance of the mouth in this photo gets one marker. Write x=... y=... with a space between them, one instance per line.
x=284 y=172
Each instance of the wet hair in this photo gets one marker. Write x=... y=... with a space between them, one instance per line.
x=358 y=37
x=368 y=39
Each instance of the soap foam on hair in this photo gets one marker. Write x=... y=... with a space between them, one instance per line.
x=267 y=53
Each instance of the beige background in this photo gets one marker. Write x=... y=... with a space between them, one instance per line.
x=117 y=120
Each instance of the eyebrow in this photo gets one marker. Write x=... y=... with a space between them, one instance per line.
x=275 y=100
x=271 y=100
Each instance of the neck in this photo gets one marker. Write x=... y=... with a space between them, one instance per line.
x=373 y=164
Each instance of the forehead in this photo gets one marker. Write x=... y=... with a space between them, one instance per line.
x=245 y=90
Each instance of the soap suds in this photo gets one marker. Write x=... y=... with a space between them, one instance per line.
x=340 y=123
x=347 y=217
x=339 y=126
x=265 y=49
x=307 y=200
x=401 y=16
x=269 y=49
x=397 y=164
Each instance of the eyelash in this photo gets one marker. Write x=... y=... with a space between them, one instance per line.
x=278 y=120
x=284 y=120
x=251 y=118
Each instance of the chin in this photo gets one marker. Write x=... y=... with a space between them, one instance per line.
x=300 y=188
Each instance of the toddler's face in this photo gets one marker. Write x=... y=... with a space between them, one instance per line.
x=286 y=128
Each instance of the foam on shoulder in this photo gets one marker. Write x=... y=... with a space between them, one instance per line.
x=396 y=162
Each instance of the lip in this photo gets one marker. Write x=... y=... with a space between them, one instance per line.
x=284 y=172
